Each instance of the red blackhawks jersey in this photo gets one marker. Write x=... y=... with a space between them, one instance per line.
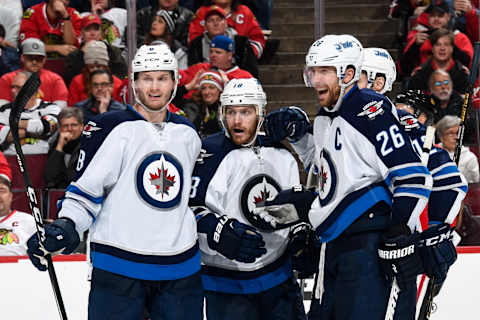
x=35 y=24
x=243 y=20
x=15 y=230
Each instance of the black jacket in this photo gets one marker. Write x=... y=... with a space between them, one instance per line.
x=57 y=174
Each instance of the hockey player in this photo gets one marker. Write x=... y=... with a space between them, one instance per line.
x=372 y=188
x=131 y=191
x=239 y=170
x=378 y=70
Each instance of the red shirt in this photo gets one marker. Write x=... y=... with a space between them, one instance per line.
x=243 y=20
x=76 y=91
x=52 y=88
x=35 y=24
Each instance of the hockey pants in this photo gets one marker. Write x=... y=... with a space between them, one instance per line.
x=117 y=297
x=354 y=285
x=283 y=302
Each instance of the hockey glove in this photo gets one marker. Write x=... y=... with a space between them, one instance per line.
x=304 y=253
x=288 y=122
x=437 y=251
x=60 y=237
x=287 y=208
x=399 y=257
x=233 y=239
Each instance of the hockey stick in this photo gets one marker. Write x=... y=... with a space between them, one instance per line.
x=395 y=291
x=426 y=307
x=28 y=90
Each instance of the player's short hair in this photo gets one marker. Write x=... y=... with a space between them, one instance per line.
x=72 y=112
x=441 y=33
x=446 y=123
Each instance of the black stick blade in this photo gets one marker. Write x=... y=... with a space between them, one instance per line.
x=28 y=90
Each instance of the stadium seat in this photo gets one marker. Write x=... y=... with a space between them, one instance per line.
x=53 y=195
x=473 y=198
x=35 y=164
x=55 y=65
x=20 y=201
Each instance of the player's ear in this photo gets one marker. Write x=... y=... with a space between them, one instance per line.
x=349 y=74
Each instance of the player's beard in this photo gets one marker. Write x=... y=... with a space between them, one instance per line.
x=332 y=97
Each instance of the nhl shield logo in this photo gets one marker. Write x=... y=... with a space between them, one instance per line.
x=255 y=192
x=159 y=180
x=327 y=178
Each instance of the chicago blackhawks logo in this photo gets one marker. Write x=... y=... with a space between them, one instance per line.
x=159 y=180
x=255 y=192
x=327 y=180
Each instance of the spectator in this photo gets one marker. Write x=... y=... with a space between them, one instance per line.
x=442 y=58
x=55 y=23
x=9 y=56
x=202 y=111
x=419 y=47
x=37 y=123
x=163 y=29
x=91 y=31
x=33 y=59
x=100 y=100
x=16 y=227
x=221 y=57
x=447 y=132
x=238 y=16
x=64 y=151
x=11 y=23
x=445 y=100
x=182 y=17
x=114 y=21
x=216 y=24
x=95 y=57
x=470 y=15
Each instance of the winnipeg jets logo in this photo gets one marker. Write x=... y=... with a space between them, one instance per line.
x=372 y=109
x=202 y=156
x=409 y=122
x=162 y=180
x=327 y=180
x=255 y=192
x=159 y=180
x=89 y=128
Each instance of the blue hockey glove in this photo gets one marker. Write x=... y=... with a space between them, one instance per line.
x=60 y=237
x=304 y=253
x=288 y=122
x=399 y=256
x=287 y=208
x=233 y=239
x=437 y=251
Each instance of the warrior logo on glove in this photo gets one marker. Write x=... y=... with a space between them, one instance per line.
x=255 y=192
x=160 y=180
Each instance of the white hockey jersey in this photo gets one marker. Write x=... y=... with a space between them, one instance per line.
x=364 y=158
x=15 y=230
x=132 y=189
x=42 y=111
x=232 y=180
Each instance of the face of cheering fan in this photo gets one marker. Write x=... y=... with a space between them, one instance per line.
x=241 y=123
x=154 y=88
x=210 y=93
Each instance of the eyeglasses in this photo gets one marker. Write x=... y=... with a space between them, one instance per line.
x=102 y=85
x=70 y=125
x=33 y=57
x=439 y=83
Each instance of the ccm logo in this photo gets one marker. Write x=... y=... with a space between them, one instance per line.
x=396 y=254
x=437 y=239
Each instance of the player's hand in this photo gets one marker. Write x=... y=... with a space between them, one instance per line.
x=437 y=251
x=236 y=240
x=288 y=122
x=60 y=237
x=65 y=49
x=399 y=257
x=304 y=254
x=287 y=208
x=420 y=37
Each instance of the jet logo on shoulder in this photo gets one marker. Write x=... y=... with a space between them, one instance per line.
x=89 y=128
x=372 y=110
